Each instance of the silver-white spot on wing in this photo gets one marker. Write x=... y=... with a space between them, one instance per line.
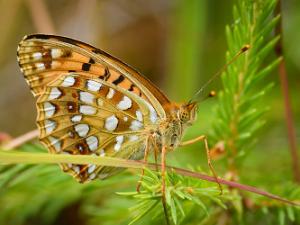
x=50 y=126
x=119 y=140
x=102 y=153
x=92 y=142
x=82 y=129
x=93 y=85
x=153 y=114
x=125 y=103
x=76 y=118
x=110 y=93
x=76 y=169
x=139 y=115
x=68 y=81
x=92 y=176
x=40 y=66
x=49 y=109
x=54 y=93
x=135 y=125
x=87 y=110
x=56 y=53
x=91 y=168
x=37 y=55
x=56 y=143
x=111 y=123
x=86 y=97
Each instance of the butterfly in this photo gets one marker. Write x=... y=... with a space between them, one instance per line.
x=91 y=103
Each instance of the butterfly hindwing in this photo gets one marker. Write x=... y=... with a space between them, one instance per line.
x=78 y=115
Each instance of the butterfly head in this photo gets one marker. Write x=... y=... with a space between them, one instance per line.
x=187 y=113
x=172 y=129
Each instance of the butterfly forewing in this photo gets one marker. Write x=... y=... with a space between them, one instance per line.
x=88 y=102
x=42 y=58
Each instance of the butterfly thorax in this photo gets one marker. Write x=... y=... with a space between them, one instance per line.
x=171 y=130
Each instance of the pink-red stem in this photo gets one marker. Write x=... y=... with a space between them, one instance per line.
x=287 y=105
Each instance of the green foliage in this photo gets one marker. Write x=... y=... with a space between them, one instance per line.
x=239 y=114
x=275 y=212
x=180 y=193
x=43 y=192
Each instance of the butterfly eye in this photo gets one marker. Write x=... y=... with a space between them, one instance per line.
x=183 y=117
x=188 y=113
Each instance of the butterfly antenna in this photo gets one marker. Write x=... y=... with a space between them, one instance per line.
x=220 y=71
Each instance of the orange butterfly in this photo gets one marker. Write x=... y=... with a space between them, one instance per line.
x=89 y=102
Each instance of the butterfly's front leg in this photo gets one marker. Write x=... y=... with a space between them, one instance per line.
x=204 y=139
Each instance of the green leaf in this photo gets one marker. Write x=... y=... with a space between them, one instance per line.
x=173 y=211
x=281 y=217
x=198 y=202
x=179 y=206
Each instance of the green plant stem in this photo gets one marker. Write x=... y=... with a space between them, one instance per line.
x=166 y=213
x=287 y=105
x=234 y=123
x=13 y=157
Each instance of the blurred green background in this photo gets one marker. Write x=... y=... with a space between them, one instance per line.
x=177 y=44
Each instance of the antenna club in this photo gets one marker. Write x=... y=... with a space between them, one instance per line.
x=245 y=48
x=212 y=94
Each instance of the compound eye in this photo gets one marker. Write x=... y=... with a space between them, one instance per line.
x=184 y=116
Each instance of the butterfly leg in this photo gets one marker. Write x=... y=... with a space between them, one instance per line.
x=144 y=160
x=163 y=186
x=163 y=172
x=155 y=157
x=204 y=139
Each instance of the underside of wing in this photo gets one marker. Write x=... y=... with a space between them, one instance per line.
x=43 y=58
x=85 y=116
x=89 y=102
